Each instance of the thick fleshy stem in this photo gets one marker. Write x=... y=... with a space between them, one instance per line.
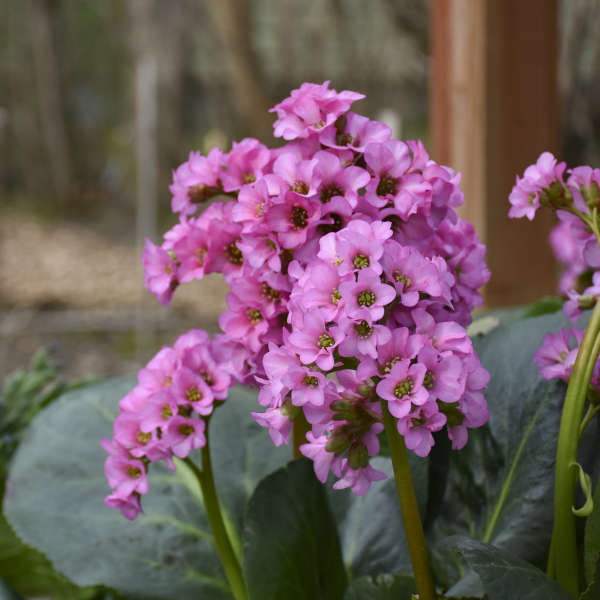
x=301 y=427
x=566 y=570
x=230 y=563
x=410 y=510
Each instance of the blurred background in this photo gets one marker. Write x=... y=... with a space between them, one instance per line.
x=101 y=99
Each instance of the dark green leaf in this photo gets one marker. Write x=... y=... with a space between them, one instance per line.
x=291 y=546
x=592 y=592
x=382 y=587
x=370 y=526
x=56 y=490
x=592 y=539
x=503 y=576
x=544 y=306
x=500 y=486
x=30 y=573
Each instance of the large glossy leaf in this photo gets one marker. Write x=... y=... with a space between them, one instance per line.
x=30 y=573
x=55 y=499
x=370 y=526
x=503 y=576
x=291 y=546
x=500 y=486
x=382 y=587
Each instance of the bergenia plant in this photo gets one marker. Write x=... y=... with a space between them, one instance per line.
x=348 y=338
x=570 y=355
x=352 y=280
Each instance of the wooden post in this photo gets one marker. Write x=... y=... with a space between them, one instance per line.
x=494 y=109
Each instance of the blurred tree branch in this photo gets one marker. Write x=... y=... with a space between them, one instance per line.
x=233 y=23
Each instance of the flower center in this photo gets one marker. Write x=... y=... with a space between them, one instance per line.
x=201 y=254
x=193 y=394
x=361 y=261
x=184 y=411
x=142 y=437
x=325 y=341
x=134 y=472
x=270 y=293
x=310 y=380
x=186 y=429
x=366 y=298
x=249 y=178
x=387 y=367
x=429 y=380
x=403 y=388
x=363 y=329
x=335 y=296
x=387 y=186
x=300 y=188
x=197 y=193
x=254 y=315
x=234 y=254
x=299 y=217
x=166 y=412
x=208 y=378
x=400 y=278
x=329 y=191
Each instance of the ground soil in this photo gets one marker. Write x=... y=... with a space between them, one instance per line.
x=67 y=287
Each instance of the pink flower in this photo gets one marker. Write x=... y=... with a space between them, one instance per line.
x=310 y=109
x=160 y=272
x=556 y=356
x=403 y=387
x=366 y=298
x=184 y=435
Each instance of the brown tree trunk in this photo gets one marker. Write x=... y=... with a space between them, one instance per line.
x=42 y=17
x=232 y=21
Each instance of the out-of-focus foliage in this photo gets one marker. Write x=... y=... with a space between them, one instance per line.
x=24 y=570
x=24 y=394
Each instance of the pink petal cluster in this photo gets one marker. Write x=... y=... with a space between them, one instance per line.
x=352 y=280
x=576 y=200
x=164 y=414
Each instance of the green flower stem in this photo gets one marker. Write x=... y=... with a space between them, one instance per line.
x=301 y=427
x=228 y=558
x=591 y=412
x=410 y=510
x=565 y=567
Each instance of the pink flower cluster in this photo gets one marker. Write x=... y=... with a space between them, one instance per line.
x=352 y=280
x=575 y=242
x=163 y=416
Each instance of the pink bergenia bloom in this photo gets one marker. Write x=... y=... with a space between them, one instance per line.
x=291 y=217
x=356 y=132
x=244 y=164
x=358 y=480
x=366 y=297
x=126 y=476
x=413 y=274
x=310 y=109
x=417 y=427
x=557 y=354
x=579 y=302
x=196 y=180
x=525 y=195
x=160 y=272
x=338 y=181
x=362 y=338
x=472 y=410
x=184 y=435
x=297 y=173
x=278 y=424
x=314 y=342
x=404 y=387
x=130 y=506
x=358 y=246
